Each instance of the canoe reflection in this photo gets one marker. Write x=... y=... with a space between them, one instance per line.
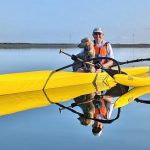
x=11 y=103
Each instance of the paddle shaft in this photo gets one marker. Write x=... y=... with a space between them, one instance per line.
x=133 y=61
x=79 y=59
x=61 y=51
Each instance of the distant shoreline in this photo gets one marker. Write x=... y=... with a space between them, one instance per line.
x=62 y=45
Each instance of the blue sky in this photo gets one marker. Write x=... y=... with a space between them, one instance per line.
x=69 y=21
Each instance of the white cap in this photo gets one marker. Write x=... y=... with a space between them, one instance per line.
x=97 y=30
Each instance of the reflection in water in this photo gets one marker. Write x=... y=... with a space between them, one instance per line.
x=11 y=103
x=96 y=102
x=131 y=95
x=97 y=107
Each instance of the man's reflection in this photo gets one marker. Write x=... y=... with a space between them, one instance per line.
x=103 y=110
x=99 y=106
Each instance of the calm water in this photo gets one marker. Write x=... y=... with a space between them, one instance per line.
x=45 y=128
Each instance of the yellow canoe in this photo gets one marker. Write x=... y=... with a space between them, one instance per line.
x=132 y=80
x=12 y=103
x=38 y=80
x=131 y=95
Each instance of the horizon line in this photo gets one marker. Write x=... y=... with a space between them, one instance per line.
x=17 y=45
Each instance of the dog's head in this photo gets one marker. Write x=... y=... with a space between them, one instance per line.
x=86 y=43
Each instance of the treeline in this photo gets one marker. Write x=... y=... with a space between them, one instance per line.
x=62 y=45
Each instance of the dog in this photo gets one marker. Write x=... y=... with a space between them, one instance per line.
x=87 y=107
x=87 y=53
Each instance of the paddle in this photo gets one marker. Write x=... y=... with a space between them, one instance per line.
x=79 y=59
x=117 y=62
x=133 y=61
x=108 y=70
x=86 y=61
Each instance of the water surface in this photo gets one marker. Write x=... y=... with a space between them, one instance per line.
x=45 y=128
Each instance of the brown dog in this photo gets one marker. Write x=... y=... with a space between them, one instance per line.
x=87 y=53
x=88 y=108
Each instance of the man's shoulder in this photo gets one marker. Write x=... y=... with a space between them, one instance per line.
x=106 y=43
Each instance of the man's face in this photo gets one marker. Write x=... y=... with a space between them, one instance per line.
x=98 y=36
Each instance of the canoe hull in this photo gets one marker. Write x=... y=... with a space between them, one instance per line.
x=39 y=80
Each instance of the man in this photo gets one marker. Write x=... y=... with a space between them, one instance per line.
x=102 y=48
